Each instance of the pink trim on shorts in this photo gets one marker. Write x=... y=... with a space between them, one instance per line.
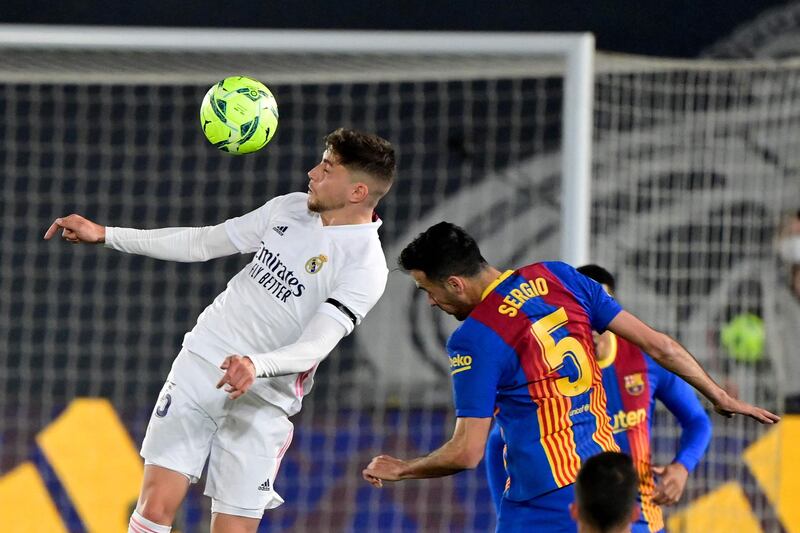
x=298 y=384
x=282 y=452
x=301 y=381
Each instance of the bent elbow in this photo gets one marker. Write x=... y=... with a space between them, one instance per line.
x=203 y=254
x=471 y=464
x=704 y=427
x=470 y=459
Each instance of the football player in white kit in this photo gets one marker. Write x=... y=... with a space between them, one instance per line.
x=317 y=269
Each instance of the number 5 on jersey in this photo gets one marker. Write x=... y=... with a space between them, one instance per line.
x=555 y=353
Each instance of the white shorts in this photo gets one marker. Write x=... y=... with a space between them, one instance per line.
x=244 y=439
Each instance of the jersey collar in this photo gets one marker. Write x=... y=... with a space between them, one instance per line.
x=495 y=283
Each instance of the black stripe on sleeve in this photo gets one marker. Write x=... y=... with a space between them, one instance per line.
x=343 y=308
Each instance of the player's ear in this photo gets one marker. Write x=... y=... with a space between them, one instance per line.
x=359 y=192
x=455 y=284
x=573 y=511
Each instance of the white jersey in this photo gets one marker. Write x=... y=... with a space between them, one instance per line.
x=298 y=265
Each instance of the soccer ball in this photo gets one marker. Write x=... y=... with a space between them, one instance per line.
x=743 y=338
x=239 y=115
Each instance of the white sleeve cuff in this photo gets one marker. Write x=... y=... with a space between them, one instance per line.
x=110 y=235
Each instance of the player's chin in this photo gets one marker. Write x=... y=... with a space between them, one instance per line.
x=458 y=315
x=453 y=311
x=315 y=205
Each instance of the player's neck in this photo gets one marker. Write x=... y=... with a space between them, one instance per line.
x=346 y=216
x=486 y=277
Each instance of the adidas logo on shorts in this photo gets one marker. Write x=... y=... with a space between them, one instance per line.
x=264 y=486
x=280 y=230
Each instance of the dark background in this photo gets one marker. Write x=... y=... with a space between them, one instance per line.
x=679 y=28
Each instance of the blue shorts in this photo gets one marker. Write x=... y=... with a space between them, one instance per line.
x=547 y=513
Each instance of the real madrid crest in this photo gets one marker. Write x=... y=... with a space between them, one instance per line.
x=315 y=264
x=634 y=383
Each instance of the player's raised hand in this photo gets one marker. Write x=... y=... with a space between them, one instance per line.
x=383 y=468
x=728 y=406
x=670 y=487
x=76 y=229
x=240 y=373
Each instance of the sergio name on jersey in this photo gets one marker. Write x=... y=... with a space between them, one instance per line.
x=298 y=264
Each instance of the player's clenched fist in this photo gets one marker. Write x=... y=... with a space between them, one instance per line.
x=384 y=467
x=77 y=229
x=670 y=486
x=240 y=373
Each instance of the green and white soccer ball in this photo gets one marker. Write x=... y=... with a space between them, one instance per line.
x=239 y=115
x=744 y=337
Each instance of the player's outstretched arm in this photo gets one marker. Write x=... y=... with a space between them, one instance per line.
x=172 y=244
x=462 y=452
x=77 y=229
x=671 y=355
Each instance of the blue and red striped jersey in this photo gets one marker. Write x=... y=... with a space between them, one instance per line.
x=633 y=381
x=525 y=354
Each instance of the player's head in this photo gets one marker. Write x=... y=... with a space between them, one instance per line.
x=605 y=494
x=601 y=276
x=356 y=169
x=445 y=260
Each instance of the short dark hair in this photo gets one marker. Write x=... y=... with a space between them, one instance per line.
x=365 y=152
x=606 y=490
x=443 y=250
x=600 y=275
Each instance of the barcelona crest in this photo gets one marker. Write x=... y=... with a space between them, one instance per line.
x=634 y=384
